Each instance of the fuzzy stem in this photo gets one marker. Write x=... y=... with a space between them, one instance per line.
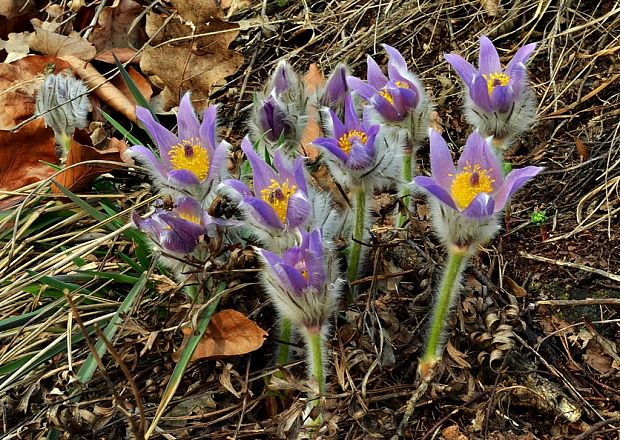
x=316 y=366
x=285 y=340
x=407 y=177
x=358 y=233
x=448 y=289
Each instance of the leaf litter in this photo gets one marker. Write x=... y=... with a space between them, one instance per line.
x=514 y=369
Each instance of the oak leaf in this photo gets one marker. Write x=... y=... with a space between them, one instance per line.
x=114 y=26
x=229 y=333
x=51 y=43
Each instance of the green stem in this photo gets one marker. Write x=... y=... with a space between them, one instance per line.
x=316 y=367
x=405 y=194
x=358 y=233
x=448 y=289
x=286 y=329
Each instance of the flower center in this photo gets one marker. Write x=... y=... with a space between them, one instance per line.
x=388 y=96
x=301 y=267
x=190 y=217
x=470 y=182
x=277 y=195
x=346 y=140
x=496 y=79
x=190 y=155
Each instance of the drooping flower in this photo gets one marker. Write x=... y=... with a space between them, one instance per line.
x=176 y=231
x=280 y=113
x=358 y=153
x=279 y=203
x=468 y=197
x=191 y=162
x=303 y=282
x=398 y=99
x=499 y=102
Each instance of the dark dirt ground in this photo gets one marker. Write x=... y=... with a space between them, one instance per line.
x=528 y=357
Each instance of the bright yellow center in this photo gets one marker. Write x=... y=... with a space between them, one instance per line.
x=470 y=182
x=346 y=140
x=189 y=155
x=496 y=79
x=190 y=217
x=277 y=195
x=386 y=94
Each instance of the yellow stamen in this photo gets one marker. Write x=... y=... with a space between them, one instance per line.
x=388 y=96
x=190 y=155
x=190 y=217
x=496 y=79
x=277 y=195
x=346 y=140
x=470 y=182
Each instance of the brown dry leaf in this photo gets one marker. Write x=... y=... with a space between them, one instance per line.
x=51 y=43
x=196 y=63
x=16 y=46
x=14 y=8
x=19 y=82
x=582 y=150
x=491 y=7
x=457 y=356
x=102 y=88
x=514 y=288
x=453 y=433
x=22 y=153
x=230 y=333
x=313 y=80
x=597 y=359
x=115 y=22
x=143 y=85
x=80 y=177
x=123 y=54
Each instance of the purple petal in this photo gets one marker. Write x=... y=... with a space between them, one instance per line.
x=410 y=97
x=464 y=69
x=375 y=76
x=183 y=177
x=479 y=93
x=502 y=98
x=521 y=57
x=313 y=241
x=264 y=211
x=271 y=258
x=332 y=146
x=189 y=126
x=518 y=80
x=208 y=126
x=362 y=88
x=336 y=86
x=514 y=180
x=477 y=151
x=218 y=161
x=397 y=66
x=351 y=121
x=481 y=207
x=189 y=206
x=163 y=138
x=442 y=166
x=282 y=77
x=361 y=156
x=315 y=266
x=384 y=108
x=489 y=59
x=337 y=127
x=295 y=279
x=262 y=173
x=145 y=155
x=238 y=186
x=183 y=235
x=300 y=175
x=297 y=210
x=432 y=188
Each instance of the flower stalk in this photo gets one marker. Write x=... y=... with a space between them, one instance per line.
x=286 y=333
x=315 y=348
x=358 y=233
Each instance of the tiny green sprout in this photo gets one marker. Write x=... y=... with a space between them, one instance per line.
x=506 y=167
x=538 y=217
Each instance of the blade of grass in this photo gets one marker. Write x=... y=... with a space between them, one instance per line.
x=85 y=373
x=133 y=87
x=130 y=137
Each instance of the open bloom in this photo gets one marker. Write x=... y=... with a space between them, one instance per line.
x=177 y=231
x=500 y=102
x=302 y=282
x=475 y=190
x=279 y=203
x=191 y=161
x=358 y=153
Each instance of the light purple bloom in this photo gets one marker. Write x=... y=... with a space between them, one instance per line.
x=394 y=97
x=476 y=187
x=271 y=120
x=279 y=202
x=177 y=231
x=490 y=87
x=302 y=281
x=335 y=89
x=352 y=142
x=187 y=160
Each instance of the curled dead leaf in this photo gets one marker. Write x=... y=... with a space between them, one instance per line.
x=114 y=26
x=229 y=333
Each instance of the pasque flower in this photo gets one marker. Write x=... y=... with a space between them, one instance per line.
x=190 y=162
x=469 y=196
x=279 y=203
x=499 y=101
x=177 y=231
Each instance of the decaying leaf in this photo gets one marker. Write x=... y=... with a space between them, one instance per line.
x=80 y=177
x=13 y=8
x=313 y=79
x=190 y=53
x=22 y=154
x=143 y=85
x=16 y=46
x=582 y=150
x=53 y=44
x=114 y=26
x=229 y=333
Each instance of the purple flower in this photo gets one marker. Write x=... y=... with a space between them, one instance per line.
x=335 y=89
x=351 y=143
x=177 y=231
x=279 y=202
x=271 y=120
x=191 y=158
x=476 y=187
x=394 y=98
x=302 y=281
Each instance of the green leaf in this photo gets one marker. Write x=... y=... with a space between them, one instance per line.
x=120 y=128
x=133 y=88
x=87 y=369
